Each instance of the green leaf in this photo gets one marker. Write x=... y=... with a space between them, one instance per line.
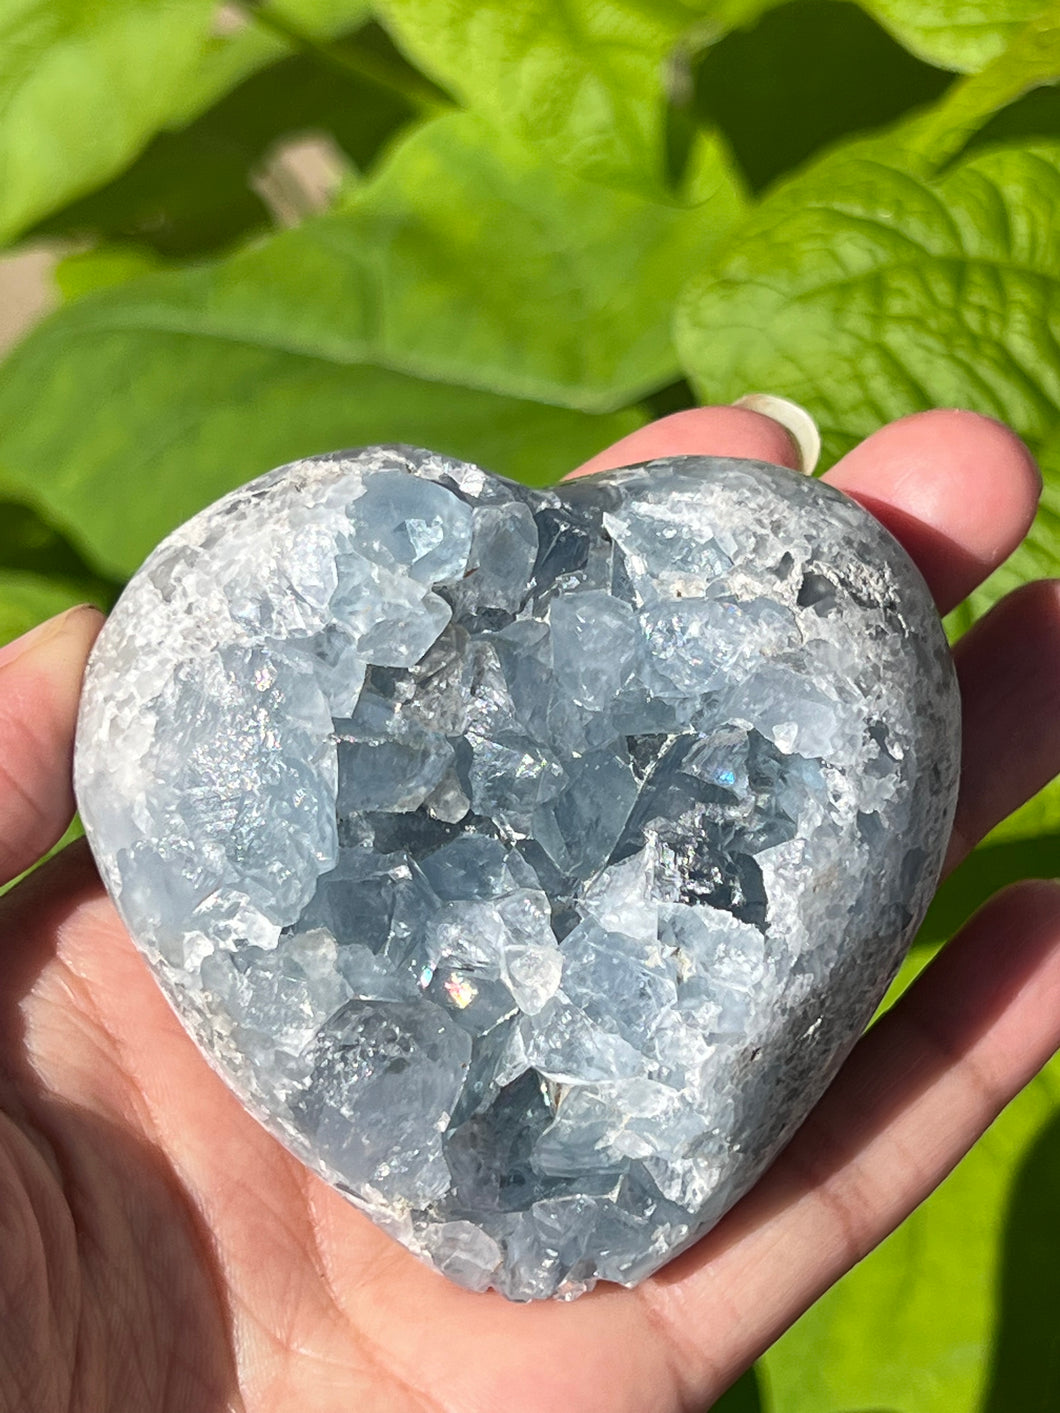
x=83 y=83
x=925 y=1324
x=870 y=289
x=965 y=35
x=895 y=275
x=86 y=271
x=863 y=242
x=191 y=191
x=518 y=283
x=119 y=433
x=586 y=80
x=957 y=34
x=526 y=279
x=28 y=599
x=1032 y=59
x=248 y=43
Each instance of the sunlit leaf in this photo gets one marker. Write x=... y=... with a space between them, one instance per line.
x=524 y=278
x=895 y=275
x=196 y=188
x=584 y=80
x=243 y=42
x=518 y=285
x=958 y=34
x=965 y=35
x=83 y=83
x=86 y=271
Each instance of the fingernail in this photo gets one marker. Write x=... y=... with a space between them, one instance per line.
x=795 y=420
x=43 y=633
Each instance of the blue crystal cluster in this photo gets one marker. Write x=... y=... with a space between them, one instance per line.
x=526 y=860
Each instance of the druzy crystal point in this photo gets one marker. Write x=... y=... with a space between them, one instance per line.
x=526 y=860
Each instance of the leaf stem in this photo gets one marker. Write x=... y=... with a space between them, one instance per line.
x=357 y=60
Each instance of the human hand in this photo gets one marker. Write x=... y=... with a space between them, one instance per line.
x=160 y=1251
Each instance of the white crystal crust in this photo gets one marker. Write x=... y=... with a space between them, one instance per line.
x=527 y=861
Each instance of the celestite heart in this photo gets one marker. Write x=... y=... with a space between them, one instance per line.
x=526 y=860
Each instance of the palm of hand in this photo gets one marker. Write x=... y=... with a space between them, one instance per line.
x=169 y=1219
x=161 y=1251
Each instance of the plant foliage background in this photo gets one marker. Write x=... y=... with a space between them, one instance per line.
x=554 y=220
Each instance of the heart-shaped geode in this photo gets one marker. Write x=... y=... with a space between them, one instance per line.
x=526 y=860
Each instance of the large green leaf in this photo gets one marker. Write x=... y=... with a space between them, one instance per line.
x=523 y=281
x=958 y=34
x=191 y=190
x=525 y=278
x=897 y=274
x=584 y=79
x=249 y=42
x=965 y=35
x=83 y=83
x=120 y=434
x=870 y=289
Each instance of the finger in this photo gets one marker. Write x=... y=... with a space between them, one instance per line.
x=916 y=1093
x=40 y=682
x=701 y=431
x=1009 y=670
x=957 y=489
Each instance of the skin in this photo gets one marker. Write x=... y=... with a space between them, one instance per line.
x=159 y=1251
